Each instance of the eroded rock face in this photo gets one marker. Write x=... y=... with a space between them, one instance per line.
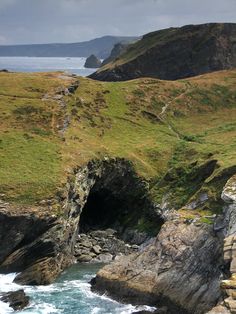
x=180 y=270
x=228 y=285
x=37 y=247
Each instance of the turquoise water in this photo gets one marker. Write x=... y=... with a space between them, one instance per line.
x=70 y=294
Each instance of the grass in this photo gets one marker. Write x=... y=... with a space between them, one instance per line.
x=123 y=119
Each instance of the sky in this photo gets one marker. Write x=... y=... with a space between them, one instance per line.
x=46 y=21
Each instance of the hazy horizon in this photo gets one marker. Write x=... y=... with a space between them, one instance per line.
x=70 y=21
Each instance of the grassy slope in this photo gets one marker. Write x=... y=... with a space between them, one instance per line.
x=159 y=125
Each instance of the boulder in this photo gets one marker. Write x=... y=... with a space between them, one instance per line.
x=97 y=249
x=103 y=258
x=16 y=299
x=85 y=258
x=92 y=62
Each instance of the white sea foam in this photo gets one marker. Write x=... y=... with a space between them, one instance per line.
x=60 y=296
x=6 y=282
x=43 y=308
x=4 y=308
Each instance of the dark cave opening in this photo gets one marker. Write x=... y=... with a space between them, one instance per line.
x=102 y=210
x=118 y=199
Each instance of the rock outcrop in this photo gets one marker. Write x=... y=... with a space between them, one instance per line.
x=180 y=270
x=175 y=53
x=92 y=62
x=229 y=285
x=17 y=300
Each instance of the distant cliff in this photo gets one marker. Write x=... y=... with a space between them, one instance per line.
x=101 y=47
x=117 y=50
x=175 y=53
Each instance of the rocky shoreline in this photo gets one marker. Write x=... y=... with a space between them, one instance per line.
x=189 y=267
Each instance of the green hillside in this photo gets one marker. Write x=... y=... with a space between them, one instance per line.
x=180 y=135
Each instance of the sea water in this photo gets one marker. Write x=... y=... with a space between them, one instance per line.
x=36 y=64
x=70 y=294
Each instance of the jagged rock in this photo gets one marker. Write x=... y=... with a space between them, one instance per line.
x=183 y=255
x=16 y=299
x=92 y=62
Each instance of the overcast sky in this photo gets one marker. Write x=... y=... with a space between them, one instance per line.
x=44 y=21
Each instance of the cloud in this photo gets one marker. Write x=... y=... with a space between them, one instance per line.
x=40 y=21
x=3 y=40
x=6 y=3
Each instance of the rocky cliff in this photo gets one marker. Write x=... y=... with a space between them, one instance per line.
x=175 y=53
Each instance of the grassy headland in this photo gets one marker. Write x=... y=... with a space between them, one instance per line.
x=180 y=135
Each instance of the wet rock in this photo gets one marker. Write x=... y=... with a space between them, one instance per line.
x=18 y=300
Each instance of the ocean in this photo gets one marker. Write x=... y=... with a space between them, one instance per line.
x=36 y=64
x=70 y=294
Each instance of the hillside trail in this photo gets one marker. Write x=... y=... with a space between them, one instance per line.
x=165 y=108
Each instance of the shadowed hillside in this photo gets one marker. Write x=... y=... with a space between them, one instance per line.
x=175 y=53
